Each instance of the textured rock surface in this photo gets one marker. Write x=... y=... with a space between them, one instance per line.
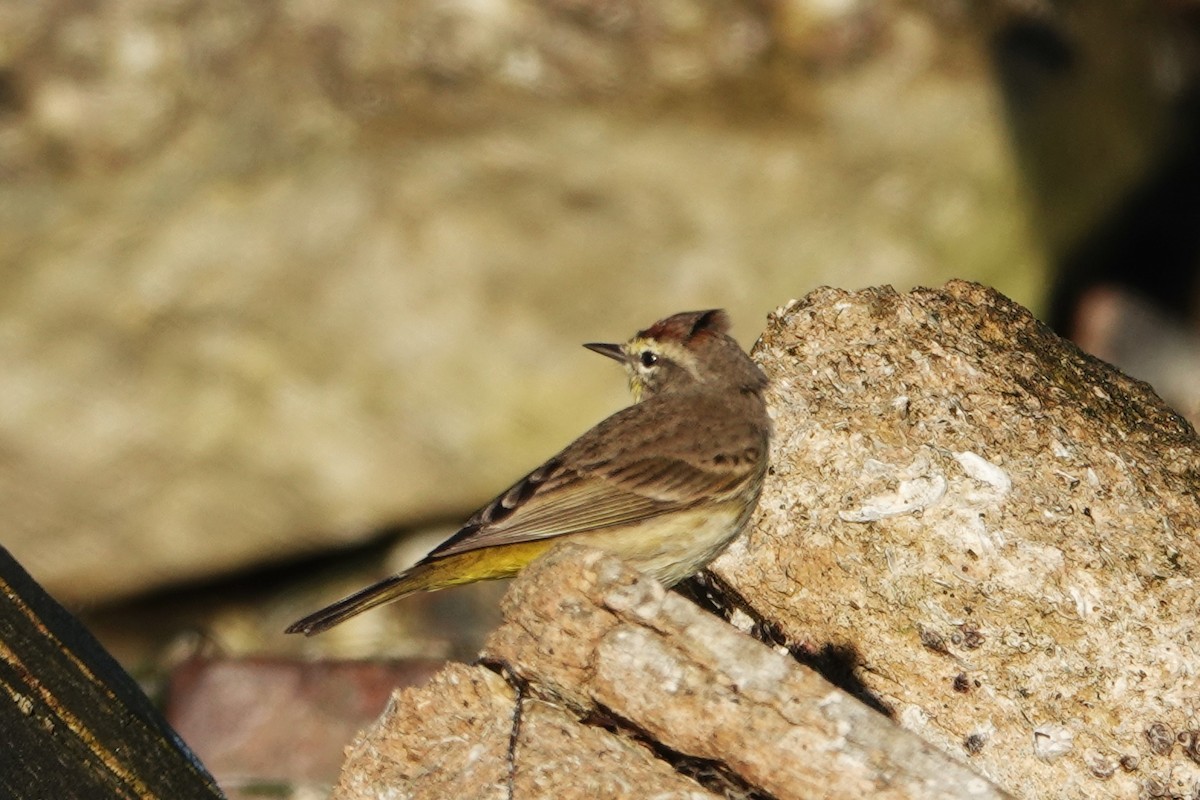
x=639 y=666
x=277 y=274
x=969 y=523
x=1004 y=529
x=452 y=739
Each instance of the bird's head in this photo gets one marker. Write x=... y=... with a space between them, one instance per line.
x=682 y=352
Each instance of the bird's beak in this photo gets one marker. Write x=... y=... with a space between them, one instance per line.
x=613 y=351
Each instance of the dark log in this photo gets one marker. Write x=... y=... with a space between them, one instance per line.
x=74 y=723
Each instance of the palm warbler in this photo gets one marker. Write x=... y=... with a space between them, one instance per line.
x=665 y=483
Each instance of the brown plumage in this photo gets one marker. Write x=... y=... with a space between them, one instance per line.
x=665 y=483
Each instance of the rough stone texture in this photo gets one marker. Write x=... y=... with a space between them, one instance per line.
x=968 y=522
x=465 y=716
x=1003 y=529
x=277 y=274
x=636 y=663
x=452 y=737
x=609 y=638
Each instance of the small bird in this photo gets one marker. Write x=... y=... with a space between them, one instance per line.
x=664 y=484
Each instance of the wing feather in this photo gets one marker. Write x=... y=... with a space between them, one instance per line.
x=672 y=470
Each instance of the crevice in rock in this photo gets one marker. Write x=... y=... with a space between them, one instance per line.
x=714 y=776
x=837 y=663
x=514 y=735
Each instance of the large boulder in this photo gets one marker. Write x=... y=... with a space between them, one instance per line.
x=969 y=525
x=279 y=275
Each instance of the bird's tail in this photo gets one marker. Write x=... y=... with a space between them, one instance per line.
x=390 y=588
x=426 y=576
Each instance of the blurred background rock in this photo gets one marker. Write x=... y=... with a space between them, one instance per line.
x=1104 y=106
x=282 y=275
x=290 y=287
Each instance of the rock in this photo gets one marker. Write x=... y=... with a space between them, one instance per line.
x=278 y=276
x=462 y=750
x=969 y=524
x=636 y=687
x=1034 y=614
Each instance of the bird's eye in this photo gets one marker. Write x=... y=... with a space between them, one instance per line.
x=648 y=358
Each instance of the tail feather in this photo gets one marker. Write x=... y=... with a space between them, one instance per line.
x=390 y=588
x=435 y=572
